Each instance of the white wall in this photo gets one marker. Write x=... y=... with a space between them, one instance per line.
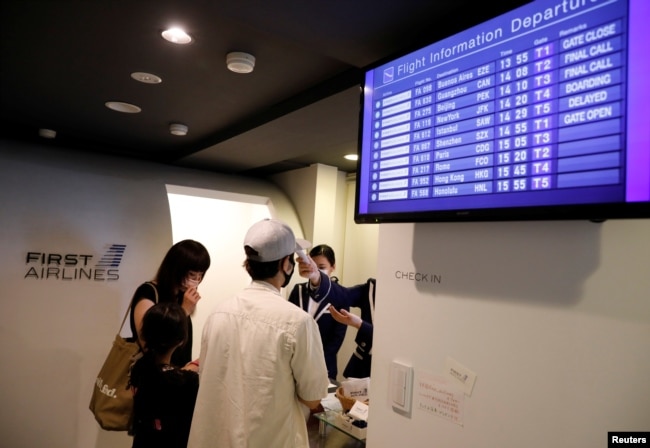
x=361 y=243
x=219 y=221
x=300 y=186
x=55 y=332
x=553 y=317
x=319 y=195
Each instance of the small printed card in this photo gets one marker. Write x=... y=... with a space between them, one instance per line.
x=359 y=411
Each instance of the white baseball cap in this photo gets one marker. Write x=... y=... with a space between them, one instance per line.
x=272 y=240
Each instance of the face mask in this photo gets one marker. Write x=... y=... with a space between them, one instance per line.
x=189 y=283
x=287 y=277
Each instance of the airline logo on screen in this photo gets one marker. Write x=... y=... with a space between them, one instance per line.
x=74 y=266
x=389 y=75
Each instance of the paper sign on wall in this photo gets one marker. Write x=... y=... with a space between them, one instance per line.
x=438 y=395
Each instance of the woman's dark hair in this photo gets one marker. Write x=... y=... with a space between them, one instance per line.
x=164 y=326
x=325 y=251
x=181 y=258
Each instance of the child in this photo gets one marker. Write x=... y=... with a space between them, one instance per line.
x=164 y=395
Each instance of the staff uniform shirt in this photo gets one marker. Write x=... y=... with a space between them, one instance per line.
x=259 y=353
x=362 y=296
x=316 y=301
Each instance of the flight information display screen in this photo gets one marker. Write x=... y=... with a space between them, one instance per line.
x=534 y=110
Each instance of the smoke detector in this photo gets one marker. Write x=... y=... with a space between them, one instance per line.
x=178 y=129
x=240 y=62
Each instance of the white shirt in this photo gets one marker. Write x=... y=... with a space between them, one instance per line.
x=259 y=353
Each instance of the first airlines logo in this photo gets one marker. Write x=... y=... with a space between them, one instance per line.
x=75 y=266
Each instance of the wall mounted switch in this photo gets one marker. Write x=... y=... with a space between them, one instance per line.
x=401 y=386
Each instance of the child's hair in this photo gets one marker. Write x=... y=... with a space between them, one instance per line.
x=164 y=326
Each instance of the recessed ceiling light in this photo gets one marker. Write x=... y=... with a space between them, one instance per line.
x=119 y=106
x=353 y=157
x=47 y=133
x=176 y=36
x=146 y=78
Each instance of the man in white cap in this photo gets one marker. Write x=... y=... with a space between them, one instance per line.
x=261 y=356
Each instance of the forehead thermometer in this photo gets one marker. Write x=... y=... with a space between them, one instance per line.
x=302 y=255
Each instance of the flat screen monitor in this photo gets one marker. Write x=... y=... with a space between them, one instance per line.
x=540 y=113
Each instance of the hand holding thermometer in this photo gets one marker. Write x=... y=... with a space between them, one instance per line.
x=311 y=271
x=302 y=255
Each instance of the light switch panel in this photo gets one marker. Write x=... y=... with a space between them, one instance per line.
x=401 y=390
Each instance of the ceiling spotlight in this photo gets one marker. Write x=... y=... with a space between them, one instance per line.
x=147 y=78
x=126 y=108
x=178 y=129
x=240 y=62
x=47 y=133
x=353 y=157
x=176 y=36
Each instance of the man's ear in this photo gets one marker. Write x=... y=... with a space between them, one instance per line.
x=285 y=264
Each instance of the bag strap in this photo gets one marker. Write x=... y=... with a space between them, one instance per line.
x=155 y=289
x=128 y=308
